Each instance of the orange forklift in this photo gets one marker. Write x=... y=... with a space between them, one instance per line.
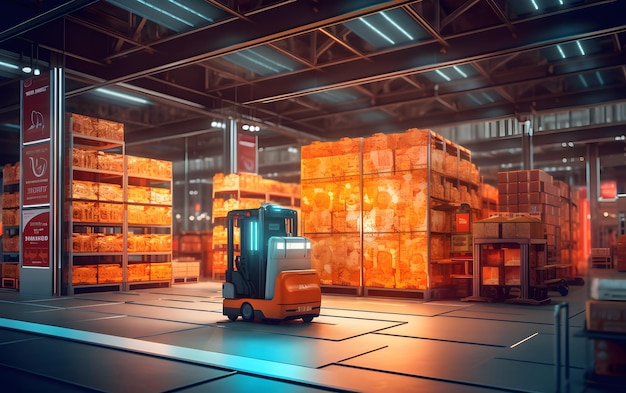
x=269 y=274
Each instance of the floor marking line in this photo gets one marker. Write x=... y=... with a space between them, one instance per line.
x=524 y=340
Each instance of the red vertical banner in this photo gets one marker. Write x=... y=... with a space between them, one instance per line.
x=36 y=174
x=36 y=109
x=246 y=153
x=608 y=189
x=36 y=126
x=463 y=222
x=36 y=238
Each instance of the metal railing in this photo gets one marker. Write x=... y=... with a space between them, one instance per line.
x=561 y=311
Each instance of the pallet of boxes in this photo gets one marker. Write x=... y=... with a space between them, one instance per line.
x=606 y=325
x=620 y=254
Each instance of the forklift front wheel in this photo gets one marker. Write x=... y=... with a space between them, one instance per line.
x=233 y=317
x=307 y=318
x=247 y=312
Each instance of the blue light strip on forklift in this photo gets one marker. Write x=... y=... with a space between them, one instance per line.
x=258 y=367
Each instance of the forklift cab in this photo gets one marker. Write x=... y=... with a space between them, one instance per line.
x=247 y=254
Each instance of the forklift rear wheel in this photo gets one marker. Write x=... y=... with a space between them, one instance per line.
x=307 y=318
x=247 y=312
x=233 y=317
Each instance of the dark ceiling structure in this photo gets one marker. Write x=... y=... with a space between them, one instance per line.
x=322 y=69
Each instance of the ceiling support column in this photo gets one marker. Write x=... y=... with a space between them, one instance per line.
x=527 y=145
x=593 y=191
x=230 y=146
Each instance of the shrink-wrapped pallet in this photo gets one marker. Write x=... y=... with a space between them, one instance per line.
x=391 y=196
x=108 y=243
x=412 y=261
x=110 y=192
x=110 y=212
x=161 y=271
x=84 y=190
x=11 y=173
x=84 y=274
x=138 y=194
x=160 y=196
x=10 y=199
x=83 y=211
x=11 y=217
x=111 y=130
x=109 y=273
x=379 y=260
x=110 y=162
x=84 y=125
x=138 y=272
x=336 y=258
x=10 y=270
x=378 y=153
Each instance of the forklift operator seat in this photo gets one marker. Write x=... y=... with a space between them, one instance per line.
x=285 y=253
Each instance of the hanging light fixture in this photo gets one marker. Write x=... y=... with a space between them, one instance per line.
x=27 y=68
x=36 y=70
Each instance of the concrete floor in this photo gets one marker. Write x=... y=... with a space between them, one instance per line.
x=176 y=339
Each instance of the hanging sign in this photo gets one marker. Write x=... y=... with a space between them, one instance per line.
x=36 y=175
x=246 y=153
x=463 y=222
x=36 y=109
x=36 y=238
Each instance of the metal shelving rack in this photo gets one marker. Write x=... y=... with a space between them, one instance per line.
x=516 y=281
x=90 y=268
x=422 y=175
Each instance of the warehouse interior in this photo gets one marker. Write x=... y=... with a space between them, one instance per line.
x=522 y=84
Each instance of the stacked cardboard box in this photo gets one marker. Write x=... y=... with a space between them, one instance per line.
x=185 y=271
x=534 y=192
x=620 y=254
x=569 y=224
x=384 y=187
x=606 y=313
x=11 y=173
x=243 y=191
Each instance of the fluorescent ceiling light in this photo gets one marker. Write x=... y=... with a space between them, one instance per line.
x=122 y=96
x=582 y=79
x=599 y=76
x=266 y=63
x=561 y=51
x=9 y=65
x=334 y=96
x=471 y=96
x=488 y=97
x=169 y=14
x=460 y=71
x=374 y=29
x=534 y=4
x=580 y=48
x=444 y=76
x=191 y=10
x=177 y=15
x=397 y=26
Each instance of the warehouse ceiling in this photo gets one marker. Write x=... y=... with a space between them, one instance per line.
x=318 y=69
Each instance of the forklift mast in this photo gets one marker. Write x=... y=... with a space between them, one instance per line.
x=247 y=253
